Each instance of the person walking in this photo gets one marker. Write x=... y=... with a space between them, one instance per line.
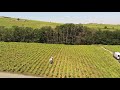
x=51 y=60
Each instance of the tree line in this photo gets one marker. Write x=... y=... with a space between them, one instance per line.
x=73 y=34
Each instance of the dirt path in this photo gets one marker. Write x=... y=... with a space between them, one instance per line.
x=10 y=75
x=107 y=50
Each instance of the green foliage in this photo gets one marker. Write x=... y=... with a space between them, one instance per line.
x=71 y=34
x=105 y=27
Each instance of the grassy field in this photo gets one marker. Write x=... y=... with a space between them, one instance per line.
x=102 y=26
x=9 y=22
x=70 y=61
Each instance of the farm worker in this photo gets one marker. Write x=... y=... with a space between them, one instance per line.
x=51 y=60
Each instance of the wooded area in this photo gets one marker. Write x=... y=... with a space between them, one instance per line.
x=73 y=34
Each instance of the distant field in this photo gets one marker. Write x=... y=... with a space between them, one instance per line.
x=9 y=22
x=102 y=26
x=70 y=61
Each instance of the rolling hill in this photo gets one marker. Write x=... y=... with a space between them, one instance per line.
x=103 y=26
x=9 y=22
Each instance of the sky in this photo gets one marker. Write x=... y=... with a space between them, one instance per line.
x=68 y=17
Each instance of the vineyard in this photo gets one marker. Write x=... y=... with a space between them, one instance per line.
x=113 y=48
x=70 y=61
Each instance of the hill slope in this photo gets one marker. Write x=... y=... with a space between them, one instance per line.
x=103 y=26
x=9 y=22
